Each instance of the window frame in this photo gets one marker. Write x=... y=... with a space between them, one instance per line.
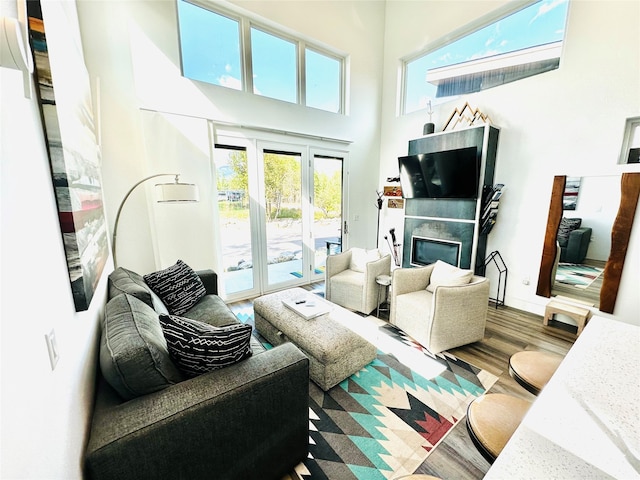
x=246 y=24
x=468 y=29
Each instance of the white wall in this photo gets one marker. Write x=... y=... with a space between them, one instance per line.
x=569 y=121
x=133 y=48
x=44 y=413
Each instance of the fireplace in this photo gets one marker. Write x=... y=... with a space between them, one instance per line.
x=426 y=250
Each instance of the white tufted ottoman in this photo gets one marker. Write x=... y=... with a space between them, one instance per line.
x=335 y=352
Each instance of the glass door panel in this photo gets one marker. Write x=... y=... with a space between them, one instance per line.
x=232 y=183
x=283 y=210
x=327 y=209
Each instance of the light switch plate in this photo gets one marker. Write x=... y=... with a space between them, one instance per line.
x=52 y=347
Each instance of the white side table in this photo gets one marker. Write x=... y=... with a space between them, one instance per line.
x=383 y=282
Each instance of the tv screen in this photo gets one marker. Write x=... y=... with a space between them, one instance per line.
x=446 y=174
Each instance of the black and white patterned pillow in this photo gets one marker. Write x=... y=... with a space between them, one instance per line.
x=179 y=287
x=567 y=225
x=198 y=347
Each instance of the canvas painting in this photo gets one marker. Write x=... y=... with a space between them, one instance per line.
x=65 y=101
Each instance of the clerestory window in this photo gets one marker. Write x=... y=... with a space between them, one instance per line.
x=229 y=50
x=522 y=44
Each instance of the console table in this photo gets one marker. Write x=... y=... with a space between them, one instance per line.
x=584 y=423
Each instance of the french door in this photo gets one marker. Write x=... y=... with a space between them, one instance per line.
x=280 y=210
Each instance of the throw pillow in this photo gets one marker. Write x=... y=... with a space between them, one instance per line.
x=134 y=358
x=360 y=257
x=447 y=275
x=567 y=225
x=179 y=287
x=198 y=347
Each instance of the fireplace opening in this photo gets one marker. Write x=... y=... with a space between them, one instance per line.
x=425 y=251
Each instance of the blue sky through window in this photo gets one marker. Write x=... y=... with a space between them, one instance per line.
x=274 y=66
x=210 y=46
x=539 y=24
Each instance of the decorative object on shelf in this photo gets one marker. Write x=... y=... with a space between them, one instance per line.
x=393 y=246
x=466 y=117
x=64 y=95
x=167 y=193
x=490 y=202
x=395 y=203
x=495 y=258
x=393 y=179
x=429 y=127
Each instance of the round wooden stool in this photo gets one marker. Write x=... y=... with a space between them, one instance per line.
x=533 y=370
x=492 y=419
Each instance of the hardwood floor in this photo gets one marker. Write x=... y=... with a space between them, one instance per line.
x=508 y=331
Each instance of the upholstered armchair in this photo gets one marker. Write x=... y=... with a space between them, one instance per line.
x=351 y=278
x=439 y=306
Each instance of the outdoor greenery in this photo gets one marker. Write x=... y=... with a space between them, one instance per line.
x=282 y=175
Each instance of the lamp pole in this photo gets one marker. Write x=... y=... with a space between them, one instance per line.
x=115 y=225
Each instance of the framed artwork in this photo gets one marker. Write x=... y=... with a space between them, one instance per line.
x=571 y=191
x=396 y=203
x=392 y=191
x=65 y=102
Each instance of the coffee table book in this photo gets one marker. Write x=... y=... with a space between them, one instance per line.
x=308 y=308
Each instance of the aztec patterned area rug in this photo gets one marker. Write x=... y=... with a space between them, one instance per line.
x=579 y=276
x=383 y=421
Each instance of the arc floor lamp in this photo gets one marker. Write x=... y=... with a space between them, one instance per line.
x=166 y=193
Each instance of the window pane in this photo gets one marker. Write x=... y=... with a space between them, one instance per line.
x=274 y=66
x=525 y=43
x=323 y=81
x=210 y=46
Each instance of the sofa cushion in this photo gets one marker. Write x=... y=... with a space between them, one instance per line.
x=211 y=309
x=122 y=280
x=360 y=257
x=134 y=358
x=447 y=275
x=567 y=225
x=198 y=347
x=179 y=287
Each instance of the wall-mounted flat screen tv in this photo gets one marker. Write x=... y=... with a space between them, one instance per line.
x=445 y=174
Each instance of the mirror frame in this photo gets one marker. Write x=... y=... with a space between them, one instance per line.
x=620 y=235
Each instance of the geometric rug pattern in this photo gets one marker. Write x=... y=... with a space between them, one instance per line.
x=383 y=421
x=577 y=275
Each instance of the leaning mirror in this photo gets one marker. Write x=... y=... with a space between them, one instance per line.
x=587 y=235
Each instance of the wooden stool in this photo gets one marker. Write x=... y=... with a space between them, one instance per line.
x=579 y=314
x=533 y=370
x=492 y=419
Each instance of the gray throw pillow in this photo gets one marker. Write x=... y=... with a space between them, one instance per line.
x=567 y=225
x=198 y=347
x=122 y=280
x=178 y=286
x=134 y=358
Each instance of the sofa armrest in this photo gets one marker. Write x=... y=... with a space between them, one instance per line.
x=335 y=264
x=229 y=423
x=210 y=280
x=406 y=280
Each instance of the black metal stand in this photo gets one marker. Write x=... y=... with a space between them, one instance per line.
x=495 y=258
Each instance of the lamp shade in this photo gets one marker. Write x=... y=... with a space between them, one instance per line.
x=177 y=192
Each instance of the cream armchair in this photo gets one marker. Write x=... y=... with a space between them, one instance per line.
x=351 y=278
x=447 y=317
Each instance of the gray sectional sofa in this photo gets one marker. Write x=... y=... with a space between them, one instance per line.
x=246 y=420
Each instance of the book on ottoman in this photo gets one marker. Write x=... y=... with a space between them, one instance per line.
x=308 y=307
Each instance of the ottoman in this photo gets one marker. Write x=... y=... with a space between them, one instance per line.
x=335 y=352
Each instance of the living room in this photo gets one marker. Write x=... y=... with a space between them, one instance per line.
x=566 y=122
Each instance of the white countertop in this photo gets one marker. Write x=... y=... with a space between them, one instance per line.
x=586 y=421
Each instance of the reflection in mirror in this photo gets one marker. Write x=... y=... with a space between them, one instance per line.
x=604 y=197
x=590 y=205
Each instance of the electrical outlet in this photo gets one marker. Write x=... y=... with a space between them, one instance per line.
x=52 y=347
x=525 y=280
